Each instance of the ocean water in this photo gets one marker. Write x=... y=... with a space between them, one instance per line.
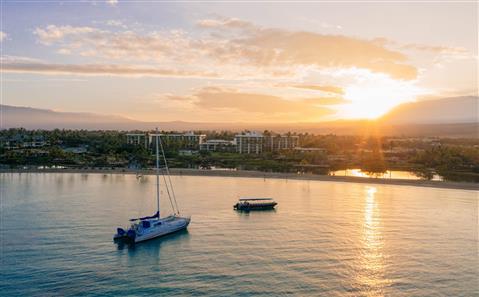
x=324 y=239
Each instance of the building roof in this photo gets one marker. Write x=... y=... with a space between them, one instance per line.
x=135 y=134
x=249 y=134
x=177 y=135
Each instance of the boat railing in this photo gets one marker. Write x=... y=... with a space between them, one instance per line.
x=255 y=199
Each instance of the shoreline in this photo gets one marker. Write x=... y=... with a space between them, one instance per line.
x=259 y=174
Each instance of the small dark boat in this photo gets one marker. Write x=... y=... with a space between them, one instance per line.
x=255 y=204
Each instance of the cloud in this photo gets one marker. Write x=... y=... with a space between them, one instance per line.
x=126 y=44
x=315 y=23
x=229 y=43
x=261 y=105
x=7 y=59
x=230 y=23
x=3 y=36
x=441 y=52
x=99 y=69
x=112 y=2
x=272 y=46
x=116 y=23
x=433 y=48
x=64 y=51
x=52 y=33
x=329 y=100
x=328 y=89
x=267 y=47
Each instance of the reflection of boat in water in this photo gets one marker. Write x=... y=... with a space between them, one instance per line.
x=154 y=226
x=255 y=204
x=155 y=243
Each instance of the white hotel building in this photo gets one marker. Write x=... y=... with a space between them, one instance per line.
x=181 y=141
x=244 y=143
x=137 y=139
x=249 y=143
x=218 y=145
x=256 y=143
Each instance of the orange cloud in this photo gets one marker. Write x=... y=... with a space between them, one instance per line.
x=328 y=89
x=99 y=69
x=330 y=100
x=264 y=106
x=89 y=41
x=272 y=47
x=3 y=36
x=225 y=23
x=53 y=33
x=232 y=43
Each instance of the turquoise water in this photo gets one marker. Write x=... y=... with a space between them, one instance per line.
x=325 y=238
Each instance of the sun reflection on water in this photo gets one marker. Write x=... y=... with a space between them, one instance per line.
x=371 y=272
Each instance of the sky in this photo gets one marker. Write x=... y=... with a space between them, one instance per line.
x=236 y=61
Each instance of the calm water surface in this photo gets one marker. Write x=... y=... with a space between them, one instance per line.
x=395 y=174
x=325 y=238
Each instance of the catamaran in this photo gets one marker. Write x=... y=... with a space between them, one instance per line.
x=154 y=226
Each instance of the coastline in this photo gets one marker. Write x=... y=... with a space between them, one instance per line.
x=259 y=174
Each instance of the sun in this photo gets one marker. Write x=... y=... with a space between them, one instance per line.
x=373 y=102
x=374 y=95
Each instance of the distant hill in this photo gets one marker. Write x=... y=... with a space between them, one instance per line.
x=418 y=123
x=441 y=111
x=34 y=118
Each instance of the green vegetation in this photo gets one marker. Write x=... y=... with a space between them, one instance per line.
x=452 y=162
x=454 y=159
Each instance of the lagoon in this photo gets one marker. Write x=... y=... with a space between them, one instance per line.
x=325 y=238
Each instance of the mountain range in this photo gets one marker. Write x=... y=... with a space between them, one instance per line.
x=454 y=116
x=440 y=111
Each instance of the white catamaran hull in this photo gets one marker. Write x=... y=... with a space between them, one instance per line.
x=168 y=225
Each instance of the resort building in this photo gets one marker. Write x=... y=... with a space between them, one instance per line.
x=274 y=143
x=188 y=140
x=23 y=141
x=218 y=145
x=256 y=143
x=180 y=141
x=137 y=139
x=244 y=143
x=249 y=143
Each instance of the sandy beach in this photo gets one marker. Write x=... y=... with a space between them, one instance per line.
x=259 y=174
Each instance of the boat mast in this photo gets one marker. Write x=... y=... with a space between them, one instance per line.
x=157 y=175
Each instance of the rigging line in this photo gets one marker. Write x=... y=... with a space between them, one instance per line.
x=158 y=138
x=168 y=192
x=173 y=191
x=169 y=178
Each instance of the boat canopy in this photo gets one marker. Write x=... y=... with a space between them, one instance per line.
x=254 y=199
x=156 y=215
